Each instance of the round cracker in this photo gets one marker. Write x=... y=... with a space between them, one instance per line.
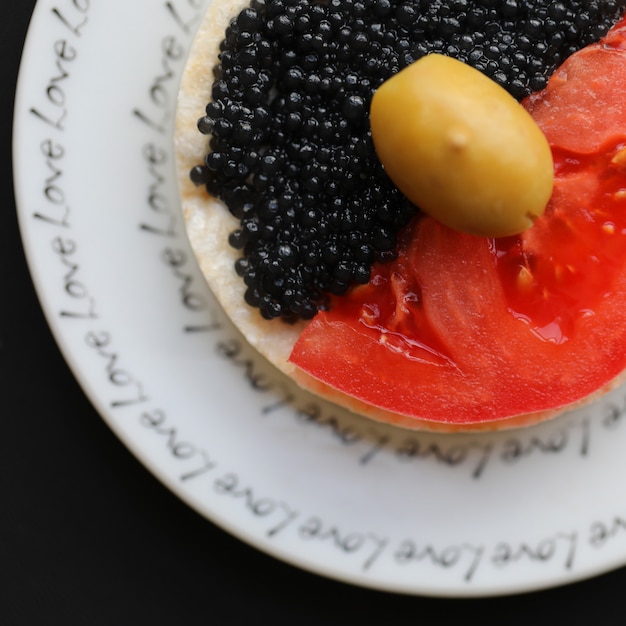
x=208 y=224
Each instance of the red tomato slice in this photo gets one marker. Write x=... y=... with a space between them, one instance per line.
x=462 y=329
x=580 y=109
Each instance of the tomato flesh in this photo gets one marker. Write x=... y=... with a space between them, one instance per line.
x=462 y=329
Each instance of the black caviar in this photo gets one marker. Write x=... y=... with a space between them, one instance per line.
x=290 y=150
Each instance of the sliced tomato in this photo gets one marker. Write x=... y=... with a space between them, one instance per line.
x=462 y=329
x=580 y=110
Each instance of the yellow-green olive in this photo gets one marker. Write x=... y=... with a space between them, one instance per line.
x=461 y=148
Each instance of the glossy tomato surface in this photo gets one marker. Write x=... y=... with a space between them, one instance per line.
x=463 y=329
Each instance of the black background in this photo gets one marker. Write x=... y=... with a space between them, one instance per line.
x=89 y=537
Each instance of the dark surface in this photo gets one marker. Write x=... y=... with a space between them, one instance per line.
x=89 y=537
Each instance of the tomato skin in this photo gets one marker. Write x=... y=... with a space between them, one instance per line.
x=463 y=329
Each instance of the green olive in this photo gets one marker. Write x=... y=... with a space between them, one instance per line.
x=461 y=148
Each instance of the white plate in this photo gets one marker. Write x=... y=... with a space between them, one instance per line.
x=305 y=482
